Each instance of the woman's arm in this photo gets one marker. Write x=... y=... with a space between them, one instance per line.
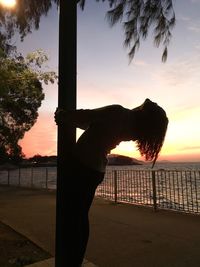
x=77 y=118
x=82 y=118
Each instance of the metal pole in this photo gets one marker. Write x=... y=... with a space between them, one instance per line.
x=64 y=255
x=154 y=191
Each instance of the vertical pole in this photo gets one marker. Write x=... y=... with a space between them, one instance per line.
x=154 y=191
x=65 y=255
x=115 y=185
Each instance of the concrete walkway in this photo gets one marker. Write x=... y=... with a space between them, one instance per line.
x=120 y=235
x=32 y=214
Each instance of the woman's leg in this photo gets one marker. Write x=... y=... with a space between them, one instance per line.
x=89 y=185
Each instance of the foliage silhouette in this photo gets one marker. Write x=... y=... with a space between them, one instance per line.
x=139 y=17
x=21 y=94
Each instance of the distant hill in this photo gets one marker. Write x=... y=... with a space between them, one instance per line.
x=114 y=159
x=43 y=161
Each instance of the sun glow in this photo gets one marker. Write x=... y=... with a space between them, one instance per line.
x=8 y=3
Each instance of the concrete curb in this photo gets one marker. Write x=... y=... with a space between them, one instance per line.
x=51 y=263
x=46 y=263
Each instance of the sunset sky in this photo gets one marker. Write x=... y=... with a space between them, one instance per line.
x=105 y=77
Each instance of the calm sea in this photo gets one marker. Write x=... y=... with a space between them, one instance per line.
x=163 y=166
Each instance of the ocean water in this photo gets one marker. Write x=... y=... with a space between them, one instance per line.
x=176 y=185
x=162 y=166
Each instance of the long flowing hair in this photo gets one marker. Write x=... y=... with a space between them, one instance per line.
x=151 y=127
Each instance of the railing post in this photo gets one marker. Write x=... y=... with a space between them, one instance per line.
x=31 y=177
x=154 y=191
x=19 y=181
x=8 y=177
x=46 y=178
x=115 y=185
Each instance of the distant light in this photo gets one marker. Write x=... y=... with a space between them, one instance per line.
x=8 y=3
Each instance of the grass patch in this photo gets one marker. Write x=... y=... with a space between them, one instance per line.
x=17 y=250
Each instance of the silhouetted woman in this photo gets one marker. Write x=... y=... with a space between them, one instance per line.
x=104 y=129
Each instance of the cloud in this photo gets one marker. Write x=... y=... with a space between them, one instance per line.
x=195 y=1
x=183 y=18
x=190 y=148
x=184 y=72
x=192 y=23
x=194 y=27
x=140 y=63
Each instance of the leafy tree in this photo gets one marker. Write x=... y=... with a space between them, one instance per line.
x=21 y=95
x=138 y=18
x=21 y=19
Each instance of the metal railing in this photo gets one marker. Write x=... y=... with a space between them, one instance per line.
x=160 y=189
x=35 y=177
x=175 y=190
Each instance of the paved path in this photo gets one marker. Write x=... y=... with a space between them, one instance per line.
x=120 y=236
x=128 y=236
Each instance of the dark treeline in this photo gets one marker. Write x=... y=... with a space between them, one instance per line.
x=40 y=161
x=36 y=160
